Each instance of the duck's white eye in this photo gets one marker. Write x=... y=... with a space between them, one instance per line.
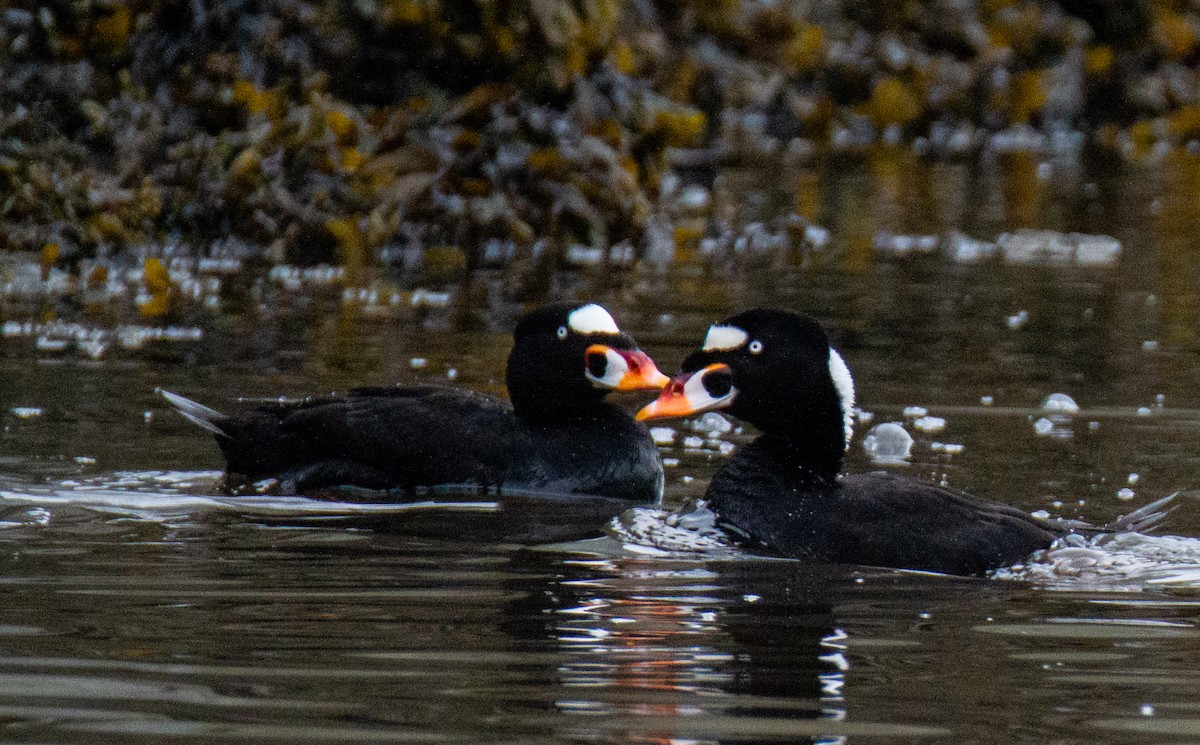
x=755 y=347
x=562 y=332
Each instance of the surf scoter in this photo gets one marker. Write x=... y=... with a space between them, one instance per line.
x=784 y=491
x=558 y=435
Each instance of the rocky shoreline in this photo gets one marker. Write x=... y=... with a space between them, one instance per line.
x=430 y=139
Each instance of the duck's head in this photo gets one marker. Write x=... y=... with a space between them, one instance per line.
x=569 y=354
x=772 y=368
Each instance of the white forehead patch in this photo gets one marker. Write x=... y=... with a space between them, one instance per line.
x=844 y=383
x=592 y=319
x=721 y=338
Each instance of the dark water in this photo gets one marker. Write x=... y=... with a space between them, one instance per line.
x=137 y=607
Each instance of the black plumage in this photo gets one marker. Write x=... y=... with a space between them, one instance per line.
x=784 y=493
x=558 y=434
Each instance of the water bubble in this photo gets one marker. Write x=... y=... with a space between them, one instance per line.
x=1043 y=426
x=888 y=443
x=1018 y=320
x=915 y=412
x=1133 y=478
x=418 y=363
x=693 y=442
x=1060 y=403
x=26 y=412
x=930 y=424
x=1144 y=411
x=1147 y=710
x=1150 y=345
x=987 y=400
x=711 y=424
x=662 y=435
x=1125 y=494
x=452 y=373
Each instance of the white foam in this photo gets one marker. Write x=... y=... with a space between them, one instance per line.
x=592 y=319
x=723 y=338
x=844 y=382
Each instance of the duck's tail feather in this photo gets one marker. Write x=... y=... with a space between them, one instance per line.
x=1145 y=519
x=194 y=412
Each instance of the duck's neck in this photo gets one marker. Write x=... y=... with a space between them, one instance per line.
x=807 y=454
x=542 y=407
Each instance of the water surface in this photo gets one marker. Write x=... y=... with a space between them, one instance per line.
x=141 y=606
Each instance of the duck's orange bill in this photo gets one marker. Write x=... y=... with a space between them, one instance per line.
x=686 y=395
x=632 y=369
x=673 y=402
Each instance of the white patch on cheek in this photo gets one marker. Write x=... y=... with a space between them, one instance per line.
x=613 y=371
x=592 y=319
x=722 y=338
x=844 y=383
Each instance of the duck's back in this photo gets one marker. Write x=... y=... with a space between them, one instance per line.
x=400 y=438
x=874 y=520
x=375 y=438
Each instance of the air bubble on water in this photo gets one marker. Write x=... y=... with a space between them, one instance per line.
x=26 y=412
x=1147 y=710
x=888 y=443
x=1043 y=426
x=1133 y=478
x=1060 y=403
x=1150 y=345
x=1040 y=514
x=452 y=373
x=930 y=423
x=1160 y=400
x=693 y=442
x=1093 y=426
x=670 y=462
x=662 y=435
x=915 y=412
x=1125 y=494
x=1144 y=411
x=418 y=363
x=711 y=424
x=987 y=400
x=1017 y=320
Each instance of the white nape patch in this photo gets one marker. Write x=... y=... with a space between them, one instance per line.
x=844 y=383
x=592 y=319
x=722 y=338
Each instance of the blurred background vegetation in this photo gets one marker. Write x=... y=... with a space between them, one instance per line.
x=439 y=136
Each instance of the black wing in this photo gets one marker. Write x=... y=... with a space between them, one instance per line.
x=375 y=438
x=879 y=520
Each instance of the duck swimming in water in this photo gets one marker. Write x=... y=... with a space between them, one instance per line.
x=558 y=434
x=784 y=492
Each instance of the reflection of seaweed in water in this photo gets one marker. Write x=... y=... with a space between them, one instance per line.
x=667 y=639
